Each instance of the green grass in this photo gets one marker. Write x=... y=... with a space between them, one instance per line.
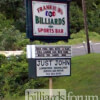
x=84 y=79
x=80 y=37
x=75 y=38
x=14 y=98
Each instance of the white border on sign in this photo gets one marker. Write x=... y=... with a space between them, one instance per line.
x=66 y=18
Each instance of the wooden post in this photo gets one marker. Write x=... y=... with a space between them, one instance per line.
x=86 y=25
x=50 y=86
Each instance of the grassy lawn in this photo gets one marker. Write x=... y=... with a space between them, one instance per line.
x=75 y=39
x=84 y=79
x=79 y=37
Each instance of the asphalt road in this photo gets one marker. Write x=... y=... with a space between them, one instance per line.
x=76 y=50
x=82 y=49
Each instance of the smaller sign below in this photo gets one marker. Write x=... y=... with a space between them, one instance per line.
x=48 y=51
x=53 y=67
x=49 y=60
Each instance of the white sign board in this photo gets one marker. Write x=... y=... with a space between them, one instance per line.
x=50 y=51
x=50 y=60
x=53 y=67
x=49 y=19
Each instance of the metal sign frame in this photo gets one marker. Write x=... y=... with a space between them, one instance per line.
x=34 y=50
x=32 y=58
x=29 y=22
x=33 y=69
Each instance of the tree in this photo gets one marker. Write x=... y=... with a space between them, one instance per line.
x=14 y=9
x=94 y=18
x=9 y=38
x=76 y=18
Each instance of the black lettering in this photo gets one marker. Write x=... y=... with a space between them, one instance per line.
x=56 y=63
x=63 y=21
x=60 y=62
x=46 y=63
x=42 y=63
x=38 y=63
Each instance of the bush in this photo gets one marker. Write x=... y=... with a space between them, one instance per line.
x=2 y=59
x=14 y=77
x=12 y=39
x=76 y=18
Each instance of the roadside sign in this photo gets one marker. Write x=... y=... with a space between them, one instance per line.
x=49 y=60
x=53 y=67
x=51 y=51
x=47 y=20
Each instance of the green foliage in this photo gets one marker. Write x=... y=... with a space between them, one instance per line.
x=9 y=38
x=14 y=70
x=94 y=19
x=2 y=59
x=14 y=9
x=76 y=18
x=4 y=22
x=10 y=8
x=14 y=77
x=80 y=36
x=93 y=15
x=75 y=38
x=21 y=44
x=85 y=76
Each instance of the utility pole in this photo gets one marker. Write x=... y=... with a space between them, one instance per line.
x=86 y=25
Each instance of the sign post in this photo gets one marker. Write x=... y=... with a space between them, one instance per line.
x=50 y=86
x=49 y=61
x=48 y=21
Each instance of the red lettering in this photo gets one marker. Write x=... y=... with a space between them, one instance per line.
x=40 y=8
x=62 y=31
x=47 y=30
x=40 y=30
x=50 y=7
x=59 y=31
x=47 y=6
x=54 y=8
x=53 y=13
x=55 y=30
x=60 y=11
x=52 y=31
x=44 y=8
